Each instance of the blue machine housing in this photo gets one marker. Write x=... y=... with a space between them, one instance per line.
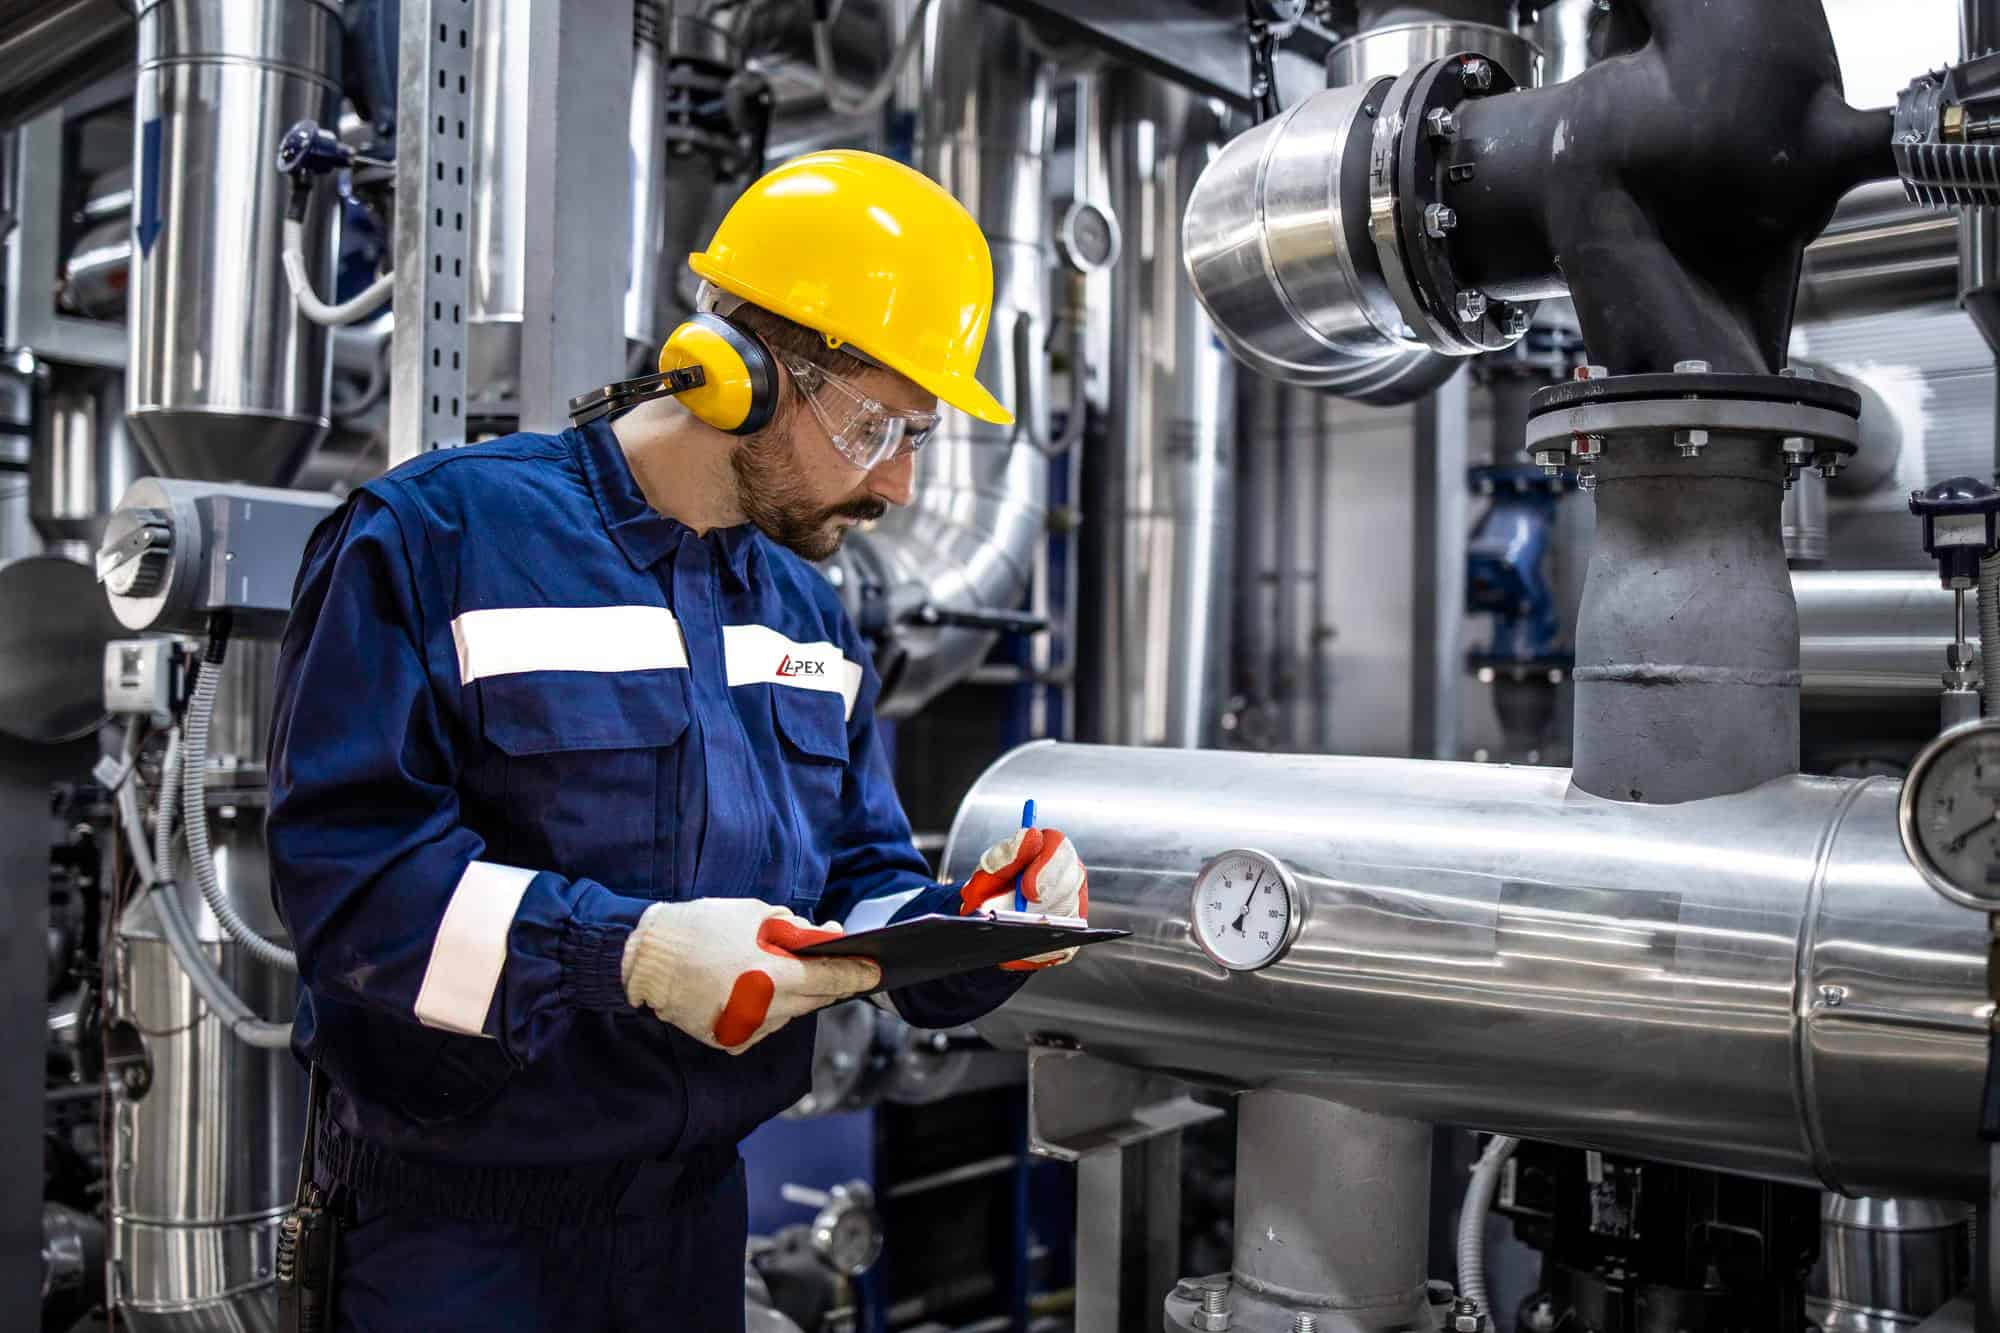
x=1507 y=575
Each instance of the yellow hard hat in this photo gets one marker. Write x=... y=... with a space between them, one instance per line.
x=866 y=251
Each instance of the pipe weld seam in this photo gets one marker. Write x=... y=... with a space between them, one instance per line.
x=1318 y=1300
x=1647 y=673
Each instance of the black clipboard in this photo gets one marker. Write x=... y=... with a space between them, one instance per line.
x=924 y=948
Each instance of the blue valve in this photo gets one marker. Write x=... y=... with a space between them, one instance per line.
x=308 y=150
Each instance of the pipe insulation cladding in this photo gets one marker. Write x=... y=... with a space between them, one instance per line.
x=1758 y=983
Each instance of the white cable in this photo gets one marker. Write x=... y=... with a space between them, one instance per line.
x=175 y=929
x=314 y=309
x=872 y=99
x=194 y=820
x=1472 y=1220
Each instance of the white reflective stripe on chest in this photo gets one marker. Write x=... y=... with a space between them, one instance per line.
x=511 y=639
x=759 y=655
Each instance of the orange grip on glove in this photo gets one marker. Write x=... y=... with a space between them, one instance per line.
x=1051 y=875
x=749 y=1002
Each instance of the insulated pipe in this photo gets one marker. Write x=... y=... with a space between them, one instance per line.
x=1880 y=633
x=1759 y=983
x=1158 y=489
x=966 y=541
x=1687 y=642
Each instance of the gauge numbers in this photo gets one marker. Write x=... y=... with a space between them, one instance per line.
x=1245 y=910
x=1949 y=814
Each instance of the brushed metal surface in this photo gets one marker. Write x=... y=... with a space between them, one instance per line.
x=206 y=1161
x=227 y=381
x=1758 y=983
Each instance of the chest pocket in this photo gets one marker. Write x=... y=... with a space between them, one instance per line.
x=588 y=767
x=813 y=728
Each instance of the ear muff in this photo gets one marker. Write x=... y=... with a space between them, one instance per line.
x=739 y=389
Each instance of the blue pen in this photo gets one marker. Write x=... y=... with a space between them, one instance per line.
x=1027 y=821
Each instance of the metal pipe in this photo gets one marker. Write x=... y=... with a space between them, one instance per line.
x=228 y=381
x=1687 y=644
x=51 y=48
x=1871 y=632
x=83 y=458
x=1163 y=501
x=1345 y=1239
x=1879 y=253
x=1757 y=983
x=981 y=491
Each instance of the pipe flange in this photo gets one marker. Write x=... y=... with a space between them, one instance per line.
x=1411 y=159
x=1814 y=424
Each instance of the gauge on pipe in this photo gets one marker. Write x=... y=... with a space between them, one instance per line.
x=1245 y=910
x=1949 y=814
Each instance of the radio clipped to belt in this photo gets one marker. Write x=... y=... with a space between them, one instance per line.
x=309 y=1235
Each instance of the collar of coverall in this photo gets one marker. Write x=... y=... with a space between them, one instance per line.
x=642 y=532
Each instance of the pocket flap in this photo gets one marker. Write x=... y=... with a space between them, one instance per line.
x=812 y=720
x=543 y=712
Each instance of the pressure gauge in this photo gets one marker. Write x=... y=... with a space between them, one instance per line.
x=1087 y=237
x=1949 y=814
x=1245 y=911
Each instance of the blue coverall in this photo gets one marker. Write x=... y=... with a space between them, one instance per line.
x=515 y=705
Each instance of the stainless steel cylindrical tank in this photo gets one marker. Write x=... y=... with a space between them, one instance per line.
x=227 y=380
x=1758 y=983
x=1386 y=52
x=1874 y=632
x=206 y=1158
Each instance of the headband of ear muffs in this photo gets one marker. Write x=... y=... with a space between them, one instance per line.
x=739 y=388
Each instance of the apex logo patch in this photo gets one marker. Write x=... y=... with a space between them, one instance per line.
x=792 y=666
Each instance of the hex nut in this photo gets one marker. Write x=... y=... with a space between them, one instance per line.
x=1212 y=1321
x=1471 y=307
x=1442 y=125
x=1691 y=367
x=1478 y=75
x=1517 y=321
x=1439 y=221
x=1691 y=442
x=1465 y=1323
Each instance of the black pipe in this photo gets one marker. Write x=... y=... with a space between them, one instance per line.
x=1672 y=188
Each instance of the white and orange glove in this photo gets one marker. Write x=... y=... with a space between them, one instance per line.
x=1052 y=879
x=722 y=969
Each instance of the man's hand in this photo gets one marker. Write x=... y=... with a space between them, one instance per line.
x=722 y=971
x=1052 y=878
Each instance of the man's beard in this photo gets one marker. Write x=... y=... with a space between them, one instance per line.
x=773 y=498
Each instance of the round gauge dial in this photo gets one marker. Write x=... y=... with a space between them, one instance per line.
x=848 y=1233
x=1245 y=911
x=1087 y=237
x=1949 y=814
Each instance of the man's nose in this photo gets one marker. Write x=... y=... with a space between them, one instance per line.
x=895 y=480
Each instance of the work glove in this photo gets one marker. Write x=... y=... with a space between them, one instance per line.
x=1052 y=880
x=722 y=969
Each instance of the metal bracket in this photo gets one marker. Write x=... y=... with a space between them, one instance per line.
x=1078 y=1105
x=433 y=207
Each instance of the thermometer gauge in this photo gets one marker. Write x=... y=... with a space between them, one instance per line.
x=1245 y=910
x=1949 y=814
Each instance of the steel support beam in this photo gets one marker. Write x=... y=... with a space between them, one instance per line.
x=1443 y=517
x=433 y=223
x=578 y=224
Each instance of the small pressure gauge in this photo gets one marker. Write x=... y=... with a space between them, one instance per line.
x=1087 y=237
x=1949 y=814
x=1245 y=910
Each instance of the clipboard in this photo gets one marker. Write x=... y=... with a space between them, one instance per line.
x=924 y=948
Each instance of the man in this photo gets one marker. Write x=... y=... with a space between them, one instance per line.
x=572 y=746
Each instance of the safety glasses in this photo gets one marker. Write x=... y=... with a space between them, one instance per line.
x=867 y=433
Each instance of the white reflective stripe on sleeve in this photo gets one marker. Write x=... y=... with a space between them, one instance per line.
x=471 y=948
x=510 y=639
x=759 y=655
x=874 y=913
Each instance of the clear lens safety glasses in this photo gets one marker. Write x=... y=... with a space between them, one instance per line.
x=867 y=433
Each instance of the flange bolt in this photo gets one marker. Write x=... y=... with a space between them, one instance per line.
x=1440 y=221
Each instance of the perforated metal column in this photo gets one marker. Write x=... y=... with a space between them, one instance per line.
x=433 y=203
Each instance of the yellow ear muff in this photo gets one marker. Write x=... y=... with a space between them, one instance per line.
x=739 y=389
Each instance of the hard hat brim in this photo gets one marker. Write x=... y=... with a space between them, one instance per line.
x=963 y=392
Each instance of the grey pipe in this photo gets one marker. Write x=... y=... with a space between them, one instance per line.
x=1757 y=983
x=1872 y=633
x=1687 y=643
x=1989 y=633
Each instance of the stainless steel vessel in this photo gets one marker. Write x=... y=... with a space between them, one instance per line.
x=1871 y=633
x=227 y=381
x=1886 y=1265
x=204 y=1162
x=83 y=458
x=1758 y=983
x=1386 y=52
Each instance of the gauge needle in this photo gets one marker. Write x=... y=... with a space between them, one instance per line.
x=1958 y=844
x=1245 y=913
